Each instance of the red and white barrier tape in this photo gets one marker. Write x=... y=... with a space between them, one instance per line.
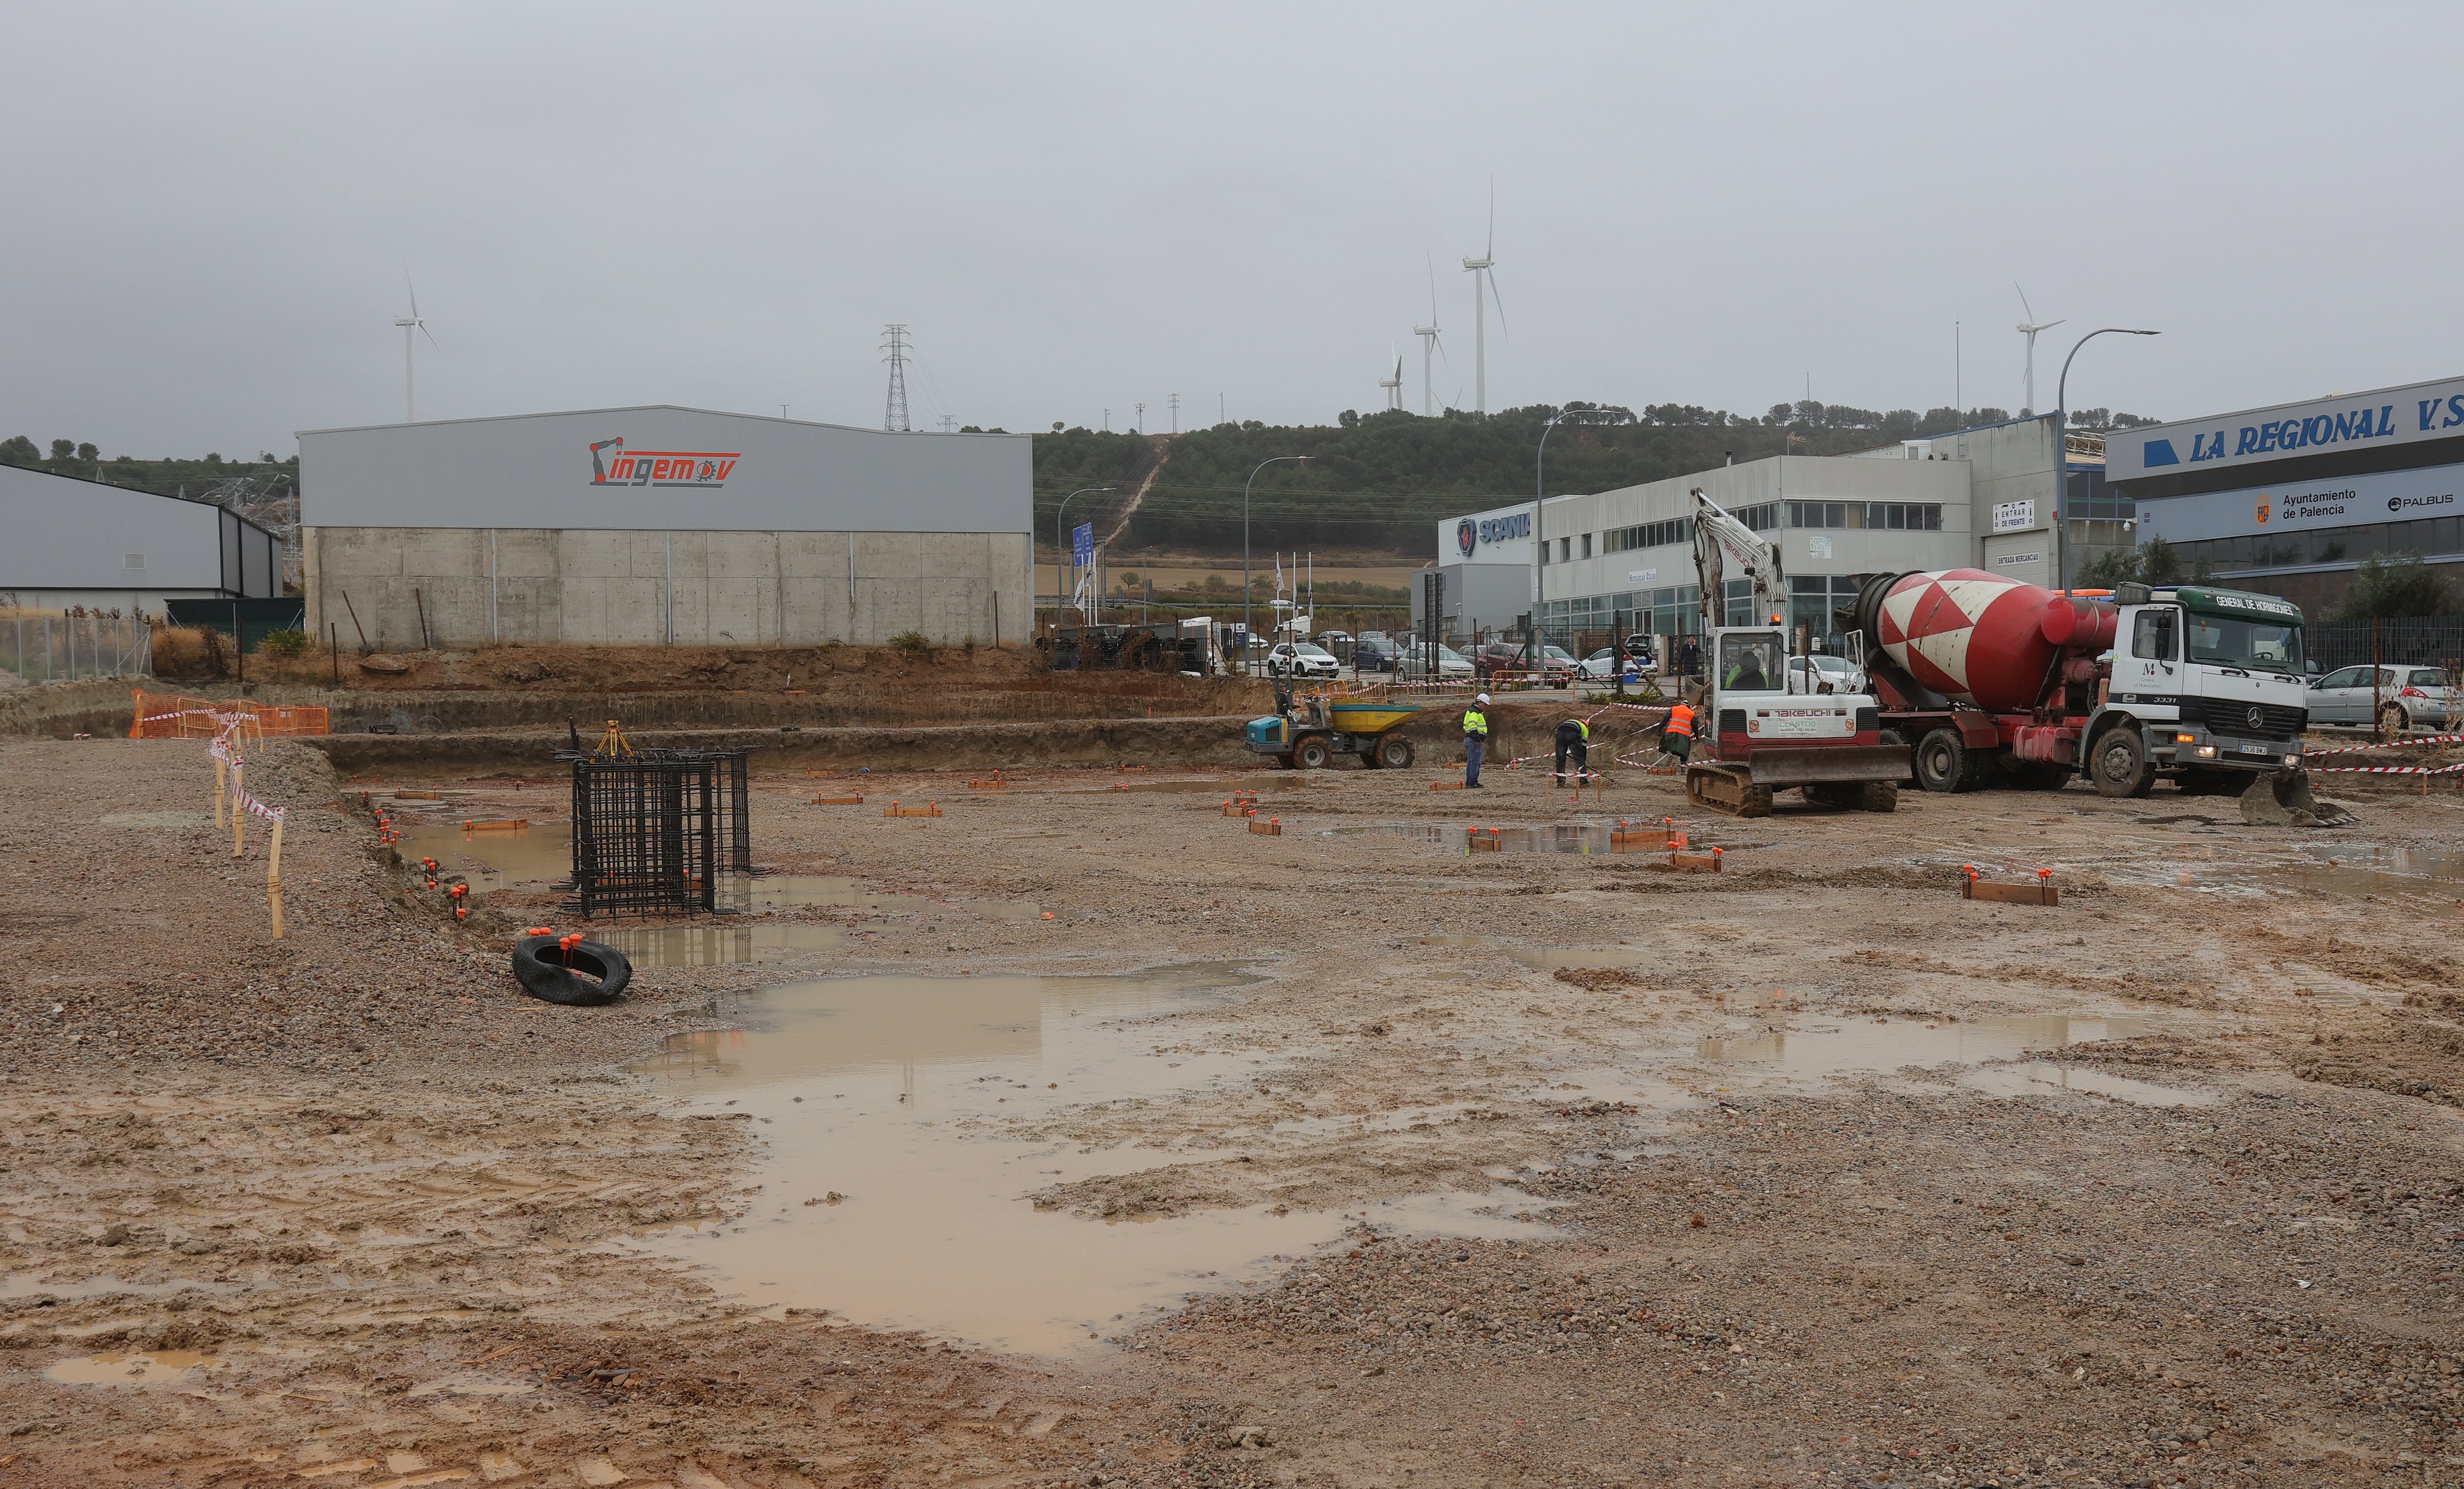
x=2393 y=744
x=222 y=751
x=2386 y=770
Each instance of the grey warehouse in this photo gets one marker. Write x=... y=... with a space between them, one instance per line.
x=660 y=524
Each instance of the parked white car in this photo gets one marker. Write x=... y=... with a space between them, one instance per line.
x=1824 y=672
x=1450 y=662
x=1303 y=659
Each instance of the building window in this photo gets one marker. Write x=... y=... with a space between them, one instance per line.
x=1761 y=517
x=1648 y=535
x=1565 y=549
x=1587 y=545
x=2422 y=537
x=1908 y=516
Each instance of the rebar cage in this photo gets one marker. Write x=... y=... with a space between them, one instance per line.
x=657 y=831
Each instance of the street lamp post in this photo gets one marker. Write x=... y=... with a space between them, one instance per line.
x=1539 y=569
x=1059 y=604
x=2063 y=457
x=1245 y=552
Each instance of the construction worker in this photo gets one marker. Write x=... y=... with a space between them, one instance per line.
x=1677 y=736
x=1475 y=727
x=1574 y=737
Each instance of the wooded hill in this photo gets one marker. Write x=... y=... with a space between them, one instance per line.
x=1378 y=481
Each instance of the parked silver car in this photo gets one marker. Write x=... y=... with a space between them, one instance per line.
x=2408 y=698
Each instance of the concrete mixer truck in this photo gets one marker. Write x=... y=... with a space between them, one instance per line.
x=1992 y=682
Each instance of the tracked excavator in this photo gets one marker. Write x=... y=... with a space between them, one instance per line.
x=1760 y=732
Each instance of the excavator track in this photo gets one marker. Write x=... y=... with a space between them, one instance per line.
x=1721 y=789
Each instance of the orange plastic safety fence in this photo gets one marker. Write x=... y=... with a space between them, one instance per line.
x=172 y=716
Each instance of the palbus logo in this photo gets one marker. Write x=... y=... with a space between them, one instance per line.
x=611 y=464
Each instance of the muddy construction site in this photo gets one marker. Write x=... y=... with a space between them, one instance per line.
x=1088 y=1134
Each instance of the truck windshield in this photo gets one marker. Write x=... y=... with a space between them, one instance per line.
x=2237 y=643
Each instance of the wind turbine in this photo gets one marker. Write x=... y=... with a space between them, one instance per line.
x=1393 y=384
x=411 y=323
x=2029 y=329
x=1483 y=269
x=1428 y=336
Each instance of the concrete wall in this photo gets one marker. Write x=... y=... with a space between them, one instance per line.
x=2008 y=463
x=597 y=587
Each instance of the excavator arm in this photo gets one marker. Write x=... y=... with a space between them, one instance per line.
x=1719 y=539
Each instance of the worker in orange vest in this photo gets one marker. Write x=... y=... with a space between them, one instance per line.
x=1677 y=736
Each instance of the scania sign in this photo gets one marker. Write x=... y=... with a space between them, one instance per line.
x=2364 y=421
x=611 y=464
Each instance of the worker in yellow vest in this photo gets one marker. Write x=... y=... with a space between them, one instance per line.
x=1574 y=738
x=1475 y=731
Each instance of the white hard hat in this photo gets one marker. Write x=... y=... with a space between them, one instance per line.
x=1481 y=699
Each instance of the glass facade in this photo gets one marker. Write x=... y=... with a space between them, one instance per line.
x=2422 y=537
x=1667 y=611
x=1895 y=516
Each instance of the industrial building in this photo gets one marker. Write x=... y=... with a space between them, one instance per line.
x=660 y=524
x=2292 y=498
x=1623 y=559
x=77 y=542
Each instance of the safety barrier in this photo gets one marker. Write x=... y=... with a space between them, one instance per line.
x=231 y=790
x=2393 y=744
x=172 y=716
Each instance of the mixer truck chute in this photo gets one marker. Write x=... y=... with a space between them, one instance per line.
x=1994 y=681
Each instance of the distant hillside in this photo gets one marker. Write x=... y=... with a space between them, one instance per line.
x=1377 y=481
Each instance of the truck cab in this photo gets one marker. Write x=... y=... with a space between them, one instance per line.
x=2206 y=685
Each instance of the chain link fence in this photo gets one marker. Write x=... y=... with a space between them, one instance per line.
x=62 y=648
x=2426 y=641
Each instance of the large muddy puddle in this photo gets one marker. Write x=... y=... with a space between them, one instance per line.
x=498 y=858
x=1575 y=837
x=1813 y=1048
x=904 y=1122
x=720 y=945
x=767 y=893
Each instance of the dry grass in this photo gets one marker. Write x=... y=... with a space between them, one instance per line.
x=191 y=652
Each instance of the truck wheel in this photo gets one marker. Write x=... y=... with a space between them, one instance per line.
x=1393 y=752
x=2118 y=765
x=1312 y=755
x=1882 y=795
x=1891 y=736
x=1941 y=761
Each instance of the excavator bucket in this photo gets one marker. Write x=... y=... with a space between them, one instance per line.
x=2281 y=798
x=1782 y=766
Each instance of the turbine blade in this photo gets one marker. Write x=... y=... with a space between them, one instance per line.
x=2023 y=300
x=1433 y=285
x=1492 y=251
x=430 y=335
x=414 y=295
x=2050 y=324
x=1499 y=301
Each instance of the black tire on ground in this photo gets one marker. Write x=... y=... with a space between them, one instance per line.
x=1941 y=761
x=1312 y=755
x=1983 y=771
x=2118 y=764
x=1395 y=753
x=1285 y=761
x=590 y=974
x=1882 y=795
x=1840 y=796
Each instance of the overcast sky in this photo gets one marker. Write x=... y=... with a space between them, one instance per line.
x=212 y=208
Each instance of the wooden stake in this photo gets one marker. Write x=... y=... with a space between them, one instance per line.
x=238 y=816
x=220 y=768
x=274 y=878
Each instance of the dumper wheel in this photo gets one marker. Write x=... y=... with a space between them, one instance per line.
x=1882 y=795
x=2119 y=766
x=1312 y=755
x=1393 y=752
x=1941 y=761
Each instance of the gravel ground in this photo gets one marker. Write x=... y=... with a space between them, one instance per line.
x=1795 y=1233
